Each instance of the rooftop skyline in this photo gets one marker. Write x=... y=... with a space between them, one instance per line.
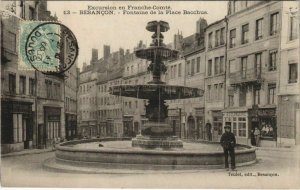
x=94 y=31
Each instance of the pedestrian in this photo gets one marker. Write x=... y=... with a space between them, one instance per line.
x=228 y=143
x=253 y=142
x=257 y=136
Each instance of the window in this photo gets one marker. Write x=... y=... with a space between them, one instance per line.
x=220 y=93
x=193 y=67
x=242 y=96
x=18 y=125
x=129 y=105
x=273 y=60
x=293 y=28
x=293 y=72
x=175 y=71
x=234 y=126
x=209 y=70
x=244 y=67
x=259 y=29
x=245 y=31
x=217 y=36
x=215 y=96
x=217 y=65
x=222 y=35
x=221 y=64
x=232 y=38
x=208 y=92
x=274 y=24
x=230 y=100
x=12 y=83
x=258 y=64
x=232 y=66
x=242 y=127
x=272 y=93
x=188 y=68
x=179 y=70
x=11 y=41
x=31 y=13
x=256 y=96
x=210 y=40
x=22 y=85
x=198 y=64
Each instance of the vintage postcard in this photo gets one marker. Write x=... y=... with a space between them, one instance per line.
x=150 y=94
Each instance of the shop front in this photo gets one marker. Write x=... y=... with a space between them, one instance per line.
x=238 y=120
x=71 y=126
x=102 y=128
x=265 y=120
x=50 y=131
x=17 y=121
x=128 y=130
x=109 y=128
x=217 y=126
x=174 y=121
x=199 y=115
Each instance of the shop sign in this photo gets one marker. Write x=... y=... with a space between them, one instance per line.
x=53 y=117
x=173 y=112
x=199 y=111
x=267 y=112
x=235 y=114
x=19 y=107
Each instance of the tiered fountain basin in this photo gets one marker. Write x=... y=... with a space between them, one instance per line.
x=148 y=91
x=118 y=153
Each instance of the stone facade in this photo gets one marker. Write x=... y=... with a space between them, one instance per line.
x=32 y=103
x=247 y=63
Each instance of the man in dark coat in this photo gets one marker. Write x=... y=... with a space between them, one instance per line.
x=228 y=143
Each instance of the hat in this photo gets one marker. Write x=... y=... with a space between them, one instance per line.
x=227 y=126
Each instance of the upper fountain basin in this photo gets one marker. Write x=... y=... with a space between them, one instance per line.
x=156 y=52
x=153 y=25
x=150 y=91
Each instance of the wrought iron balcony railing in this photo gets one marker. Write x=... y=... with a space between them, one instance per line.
x=251 y=75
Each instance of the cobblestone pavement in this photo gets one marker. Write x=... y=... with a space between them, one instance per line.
x=27 y=170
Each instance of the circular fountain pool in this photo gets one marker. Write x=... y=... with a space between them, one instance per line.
x=118 y=153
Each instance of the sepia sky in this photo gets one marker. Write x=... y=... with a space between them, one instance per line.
x=125 y=31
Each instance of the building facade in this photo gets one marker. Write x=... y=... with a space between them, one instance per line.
x=187 y=116
x=288 y=123
x=252 y=71
x=71 y=106
x=32 y=104
x=215 y=35
x=87 y=102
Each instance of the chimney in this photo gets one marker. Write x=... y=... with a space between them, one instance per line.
x=178 y=40
x=106 y=51
x=201 y=24
x=94 y=55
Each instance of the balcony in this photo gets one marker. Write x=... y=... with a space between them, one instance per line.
x=246 y=77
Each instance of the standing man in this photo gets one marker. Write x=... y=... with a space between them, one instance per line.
x=228 y=143
x=257 y=136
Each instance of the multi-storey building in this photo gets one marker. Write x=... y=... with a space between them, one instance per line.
x=71 y=92
x=187 y=116
x=215 y=36
x=18 y=88
x=87 y=101
x=252 y=69
x=288 y=117
x=135 y=73
x=110 y=107
x=32 y=103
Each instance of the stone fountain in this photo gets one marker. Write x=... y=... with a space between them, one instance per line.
x=157 y=132
x=156 y=148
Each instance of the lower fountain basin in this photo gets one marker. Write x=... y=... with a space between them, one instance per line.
x=118 y=153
